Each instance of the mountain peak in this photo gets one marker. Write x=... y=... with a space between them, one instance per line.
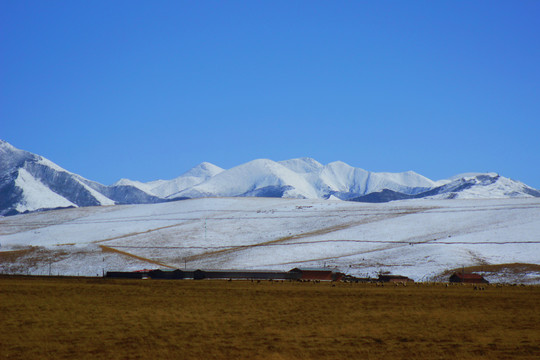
x=4 y=143
x=125 y=182
x=12 y=158
x=204 y=169
x=339 y=164
x=302 y=165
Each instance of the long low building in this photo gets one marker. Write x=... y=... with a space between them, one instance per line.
x=294 y=274
x=458 y=277
x=246 y=274
x=318 y=274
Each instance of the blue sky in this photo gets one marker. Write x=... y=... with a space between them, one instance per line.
x=149 y=89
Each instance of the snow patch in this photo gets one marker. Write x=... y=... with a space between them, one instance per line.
x=96 y=194
x=36 y=195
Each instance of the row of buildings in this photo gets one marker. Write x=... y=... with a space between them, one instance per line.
x=293 y=274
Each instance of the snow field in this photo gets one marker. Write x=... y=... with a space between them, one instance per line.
x=416 y=238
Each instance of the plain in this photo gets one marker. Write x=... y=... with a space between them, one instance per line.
x=89 y=318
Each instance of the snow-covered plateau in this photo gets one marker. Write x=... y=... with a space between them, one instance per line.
x=419 y=238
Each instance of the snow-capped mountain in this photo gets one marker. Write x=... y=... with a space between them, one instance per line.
x=469 y=186
x=481 y=186
x=260 y=177
x=304 y=178
x=168 y=188
x=29 y=182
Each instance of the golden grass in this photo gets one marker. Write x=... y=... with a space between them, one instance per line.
x=113 y=250
x=13 y=255
x=84 y=318
x=19 y=261
x=514 y=267
x=514 y=272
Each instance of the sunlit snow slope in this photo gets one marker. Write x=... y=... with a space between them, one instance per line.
x=416 y=238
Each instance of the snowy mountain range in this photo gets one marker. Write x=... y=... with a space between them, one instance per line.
x=29 y=182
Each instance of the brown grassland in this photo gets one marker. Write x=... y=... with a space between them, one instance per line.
x=92 y=318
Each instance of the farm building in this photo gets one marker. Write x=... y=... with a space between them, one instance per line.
x=167 y=274
x=125 y=274
x=204 y=274
x=317 y=274
x=244 y=274
x=394 y=278
x=467 y=278
x=147 y=273
x=294 y=274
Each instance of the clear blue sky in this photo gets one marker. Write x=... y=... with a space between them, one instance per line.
x=149 y=89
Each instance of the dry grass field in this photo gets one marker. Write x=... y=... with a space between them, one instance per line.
x=86 y=318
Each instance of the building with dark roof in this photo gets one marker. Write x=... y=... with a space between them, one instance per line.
x=317 y=274
x=467 y=278
x=294 y=274
x=394 y=278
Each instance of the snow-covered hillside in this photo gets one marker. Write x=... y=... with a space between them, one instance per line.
x=470 y=186
x=29 y=182
x=171 y=188
x=302 y=178
x=417 y=238
x=345 y=181
x=256 y=178
x=482 y=186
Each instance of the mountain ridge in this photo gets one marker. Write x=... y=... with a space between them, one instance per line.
x=30 y=182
